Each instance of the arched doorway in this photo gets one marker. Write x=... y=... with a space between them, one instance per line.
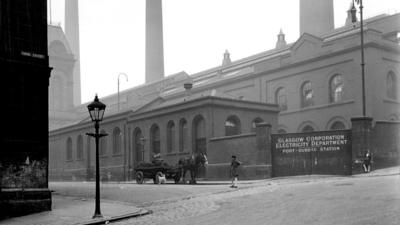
x=89 y=169
x=199 y=140
x=138 y=147
x=199 y=135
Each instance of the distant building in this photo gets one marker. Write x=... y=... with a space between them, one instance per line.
x=315 y=82
x=24 y=66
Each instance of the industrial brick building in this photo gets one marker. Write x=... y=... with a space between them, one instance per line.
x=313 y=84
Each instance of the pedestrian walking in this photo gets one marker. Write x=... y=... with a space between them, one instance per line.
x=235 y=163
x=367 y=162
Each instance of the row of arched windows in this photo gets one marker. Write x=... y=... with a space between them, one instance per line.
x=183 y=137
x=232 y=127
x=336 y=91
x=337 y=125
x=79 y=148
x=116 y=145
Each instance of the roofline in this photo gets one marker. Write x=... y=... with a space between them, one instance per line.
x=207 y=100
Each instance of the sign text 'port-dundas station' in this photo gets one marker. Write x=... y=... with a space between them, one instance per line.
x=323 y=152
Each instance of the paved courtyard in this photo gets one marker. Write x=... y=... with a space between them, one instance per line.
x=361 y=199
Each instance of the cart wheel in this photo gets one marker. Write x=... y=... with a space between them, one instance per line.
x=139 y=177
x=157 y=176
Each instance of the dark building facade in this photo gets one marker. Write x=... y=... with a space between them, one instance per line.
x=25 y=71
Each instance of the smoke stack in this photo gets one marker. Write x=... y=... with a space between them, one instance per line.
x=72 y=34
x=154 y=41
x=316 y=17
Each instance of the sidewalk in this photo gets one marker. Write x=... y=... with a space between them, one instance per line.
x=75 y=211
x=381 y=172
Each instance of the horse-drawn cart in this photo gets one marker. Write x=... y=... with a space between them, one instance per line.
x=155 y=171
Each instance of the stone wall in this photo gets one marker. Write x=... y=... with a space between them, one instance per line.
x=386 y=143
x=382 y=139
x=251 y=149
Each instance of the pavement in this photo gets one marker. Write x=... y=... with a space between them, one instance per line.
x=79 y=210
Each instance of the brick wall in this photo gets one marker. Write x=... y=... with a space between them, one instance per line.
x=251 y=149
x=386 y=143
x=382 y=139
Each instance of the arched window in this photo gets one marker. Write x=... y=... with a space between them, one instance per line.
x=139 y=148
x=282 y=131
x=254 y=123
x=170 y=136
x=336 y=88
x=307 y=94
x=183 y=135
x=280 y=98
x=117 y=141
x=307 y=128
x=69 y=149
x=88 y=147
x=337 y=126
x=199 y=135
x=155 y=139
x=79 y=148
x=232 y=126
x=103 y=144
x=57 y=48
x=391 y=85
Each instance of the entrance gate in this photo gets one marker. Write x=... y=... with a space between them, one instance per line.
x=326 y=152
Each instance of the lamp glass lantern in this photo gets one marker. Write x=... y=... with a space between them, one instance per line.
x=96 y=110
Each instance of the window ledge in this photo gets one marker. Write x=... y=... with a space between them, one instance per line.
x=391 y=100
x=317 y=107
x=117 y=154
x=69 y=160
x=80 y=159
x=232 y=136
x=177 y=153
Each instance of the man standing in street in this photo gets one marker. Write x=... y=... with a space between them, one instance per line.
x=234 y=173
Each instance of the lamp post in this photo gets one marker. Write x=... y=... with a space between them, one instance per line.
x=354 y=19
x=126 y=76
x=142 y=141
x=96 y=111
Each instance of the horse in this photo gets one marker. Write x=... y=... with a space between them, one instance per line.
x=193 y=163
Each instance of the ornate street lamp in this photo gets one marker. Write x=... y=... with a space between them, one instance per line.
x=96 y=111
x=353 y=12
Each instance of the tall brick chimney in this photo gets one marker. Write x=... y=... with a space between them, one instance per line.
x=72 y=34
x=154 y=41
x=316 y=17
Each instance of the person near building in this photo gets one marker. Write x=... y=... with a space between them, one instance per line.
x=367 y=162
x=235 y=163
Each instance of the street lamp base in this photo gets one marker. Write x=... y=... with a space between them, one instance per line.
x=97 y=216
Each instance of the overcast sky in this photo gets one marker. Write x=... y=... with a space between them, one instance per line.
x=196 y=34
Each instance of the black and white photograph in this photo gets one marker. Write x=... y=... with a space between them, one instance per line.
x=200 y=112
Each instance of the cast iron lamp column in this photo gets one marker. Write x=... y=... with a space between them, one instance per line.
x=96 y=111
x=354 y=19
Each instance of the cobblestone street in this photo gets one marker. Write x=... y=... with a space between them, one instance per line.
x=301 y=200
x=372 y=198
